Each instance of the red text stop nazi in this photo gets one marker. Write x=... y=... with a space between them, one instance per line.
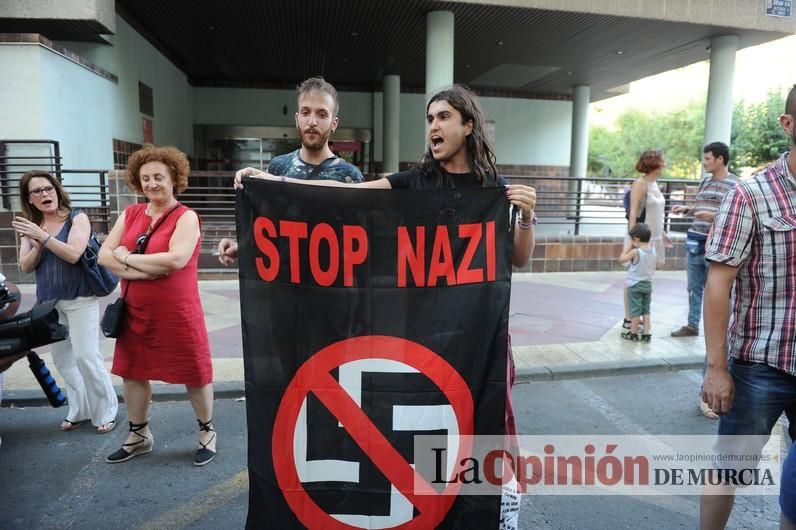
x=334 y=254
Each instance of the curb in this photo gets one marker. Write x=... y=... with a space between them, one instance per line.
x=609 y=368
x=160 y=392
x=236 y=389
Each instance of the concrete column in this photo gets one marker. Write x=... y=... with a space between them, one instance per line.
x=718 y=113
x=391 y=124
x=579 y=148
x=439 y=51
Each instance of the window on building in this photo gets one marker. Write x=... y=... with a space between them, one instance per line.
x=146 y=103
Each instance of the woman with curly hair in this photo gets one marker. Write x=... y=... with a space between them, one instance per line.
x=154 y=248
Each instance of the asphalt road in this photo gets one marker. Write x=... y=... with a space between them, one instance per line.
x=51 y=479
x=655 y=404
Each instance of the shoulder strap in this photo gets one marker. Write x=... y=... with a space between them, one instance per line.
x=156 y=225
x=72 y=214
x=320 y=167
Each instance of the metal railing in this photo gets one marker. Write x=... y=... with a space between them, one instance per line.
x=19 y=156
x=575 y=204
x=92 y=198
x=210 y=193
x=90 y=195
x=564 y=204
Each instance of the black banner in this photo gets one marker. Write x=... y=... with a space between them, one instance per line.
x=369 y=317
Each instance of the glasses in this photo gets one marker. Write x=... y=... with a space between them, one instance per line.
x=44 y=189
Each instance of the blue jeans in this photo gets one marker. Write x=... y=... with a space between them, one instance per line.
x=762 y=393
x=697 y=271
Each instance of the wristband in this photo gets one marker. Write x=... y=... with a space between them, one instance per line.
x=526 y=225
x=44 y=241
x=283 y=178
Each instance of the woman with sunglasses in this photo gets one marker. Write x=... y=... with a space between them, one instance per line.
x=154 y=248
x=52 y=247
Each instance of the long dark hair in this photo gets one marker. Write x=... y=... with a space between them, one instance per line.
x=31 y=212
x=480 y=155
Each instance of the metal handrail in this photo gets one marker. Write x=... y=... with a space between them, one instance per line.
x=91 y=197
x=559 y=199
x=575 y=202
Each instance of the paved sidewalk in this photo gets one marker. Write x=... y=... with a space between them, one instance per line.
x=563 y=325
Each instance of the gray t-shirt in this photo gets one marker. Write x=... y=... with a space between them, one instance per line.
x=291 y=165
x=711 y=192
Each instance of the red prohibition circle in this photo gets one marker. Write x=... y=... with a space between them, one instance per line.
x=314 y=376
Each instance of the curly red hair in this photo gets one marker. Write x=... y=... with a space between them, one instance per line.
x=174 y=159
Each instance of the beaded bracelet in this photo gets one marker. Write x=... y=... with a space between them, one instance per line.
x=526 y=225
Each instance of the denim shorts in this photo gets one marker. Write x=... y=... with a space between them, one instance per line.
x=762 y=394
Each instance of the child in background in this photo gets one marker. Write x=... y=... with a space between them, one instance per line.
x=641 y=259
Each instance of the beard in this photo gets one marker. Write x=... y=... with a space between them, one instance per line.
x=316 y=142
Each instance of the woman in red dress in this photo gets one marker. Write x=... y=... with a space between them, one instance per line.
x=154 y=248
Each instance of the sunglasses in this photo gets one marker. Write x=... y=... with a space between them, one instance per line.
x=44 y=189
x=140 y=243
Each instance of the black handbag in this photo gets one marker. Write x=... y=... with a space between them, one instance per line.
x=113 y=317
x=101 y=281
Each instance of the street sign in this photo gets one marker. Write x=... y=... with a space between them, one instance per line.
x=779 y=8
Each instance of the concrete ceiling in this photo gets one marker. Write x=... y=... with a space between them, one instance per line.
x=512 y=51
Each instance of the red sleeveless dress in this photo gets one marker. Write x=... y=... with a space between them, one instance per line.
x=163 y=336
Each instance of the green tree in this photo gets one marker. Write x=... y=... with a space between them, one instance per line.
x=677 y=133
x=757 y=138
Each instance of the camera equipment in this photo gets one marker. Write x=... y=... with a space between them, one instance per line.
x=46 y=381
x=9 y=298
x=37 y=327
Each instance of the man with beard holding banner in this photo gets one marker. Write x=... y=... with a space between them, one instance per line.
x=316 y=119
x=411 y=338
